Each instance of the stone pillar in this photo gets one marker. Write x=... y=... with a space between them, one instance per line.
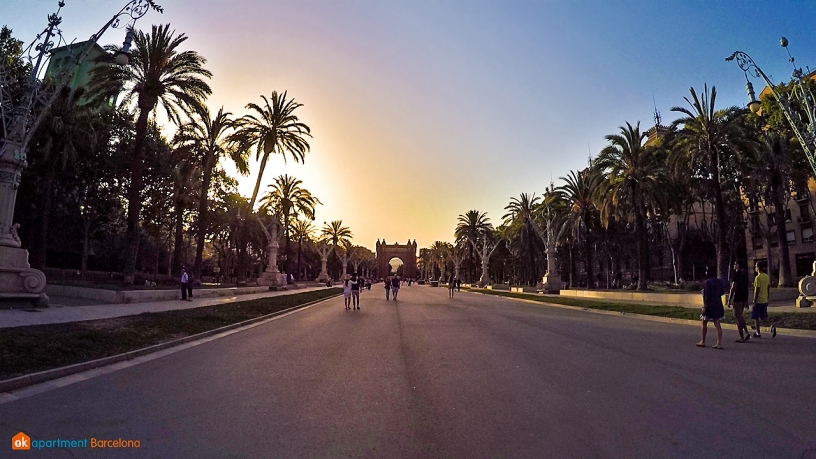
x=324 y=259
x=18 y=280
x=272 y=276
x=551 y=281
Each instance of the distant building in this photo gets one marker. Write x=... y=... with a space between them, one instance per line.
x=64 y=58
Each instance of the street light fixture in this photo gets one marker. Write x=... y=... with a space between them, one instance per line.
x=19 y=122
x=805 y=130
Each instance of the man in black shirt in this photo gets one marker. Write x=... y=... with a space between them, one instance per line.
x=355 y=291
x=738 y=298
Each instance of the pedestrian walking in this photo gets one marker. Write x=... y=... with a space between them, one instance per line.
x=451 y=285
x=184 y=281
x=713 y=310
x=356 y=282
x=395 y=286
x=759 y=310
x=738 y=299
x=347 y=292
x=458 y=284
x=387 y=288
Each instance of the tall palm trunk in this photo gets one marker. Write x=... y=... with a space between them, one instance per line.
x=588 y=261
x=719 y=204
x=179 y=239
x=209 y=165
x=134 y=193
x=778 y=199
x=643 y=256
x=40 y=245
x=288 y=262
x=300 y=246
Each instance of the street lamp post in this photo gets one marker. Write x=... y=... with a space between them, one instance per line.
x=19 y=122
x=805 y=130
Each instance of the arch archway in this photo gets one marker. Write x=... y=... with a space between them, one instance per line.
x=406 y=253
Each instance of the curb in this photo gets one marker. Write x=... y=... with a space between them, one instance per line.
x=31 y=379
x=668 y=320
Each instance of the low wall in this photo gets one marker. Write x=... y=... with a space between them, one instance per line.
x=144 y=296
x=684 y=299
x=523 y=289
x=503 y=287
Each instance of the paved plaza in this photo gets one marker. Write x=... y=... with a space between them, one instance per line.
x=427 y=376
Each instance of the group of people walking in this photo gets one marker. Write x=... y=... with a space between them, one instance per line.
x=713 y=310
x=352 y=285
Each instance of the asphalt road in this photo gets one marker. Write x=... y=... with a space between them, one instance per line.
x=428 y=376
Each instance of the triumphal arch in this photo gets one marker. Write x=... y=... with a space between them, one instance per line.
x=406 y=253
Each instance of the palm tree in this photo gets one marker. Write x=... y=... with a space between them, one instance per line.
x=158 y=74
x=303 y=230
x=578 y=193
x=708 y=136
x=208 y=136
x=336 y=234
x=275 y=130
x=183 y=178
x=289 y=198
x=468 y=228
x=773 y=172
x=520 y=212
x=632 y=168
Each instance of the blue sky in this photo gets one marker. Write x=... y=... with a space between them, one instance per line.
x=423 y=110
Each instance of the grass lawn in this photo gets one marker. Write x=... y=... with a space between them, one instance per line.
x=802 y=321
x=35 y=348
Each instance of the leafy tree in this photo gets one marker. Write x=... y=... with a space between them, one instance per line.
x=706 y=138
x=520 y=212
x=207 y=135
x=303 y=231
x=579 y=193
x=67 y=128
x=158 y=74
x=632 y=170
x=468 y=228
x=290 y=199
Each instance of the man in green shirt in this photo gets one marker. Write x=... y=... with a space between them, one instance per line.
x=759 y=310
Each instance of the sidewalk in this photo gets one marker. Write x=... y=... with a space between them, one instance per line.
x=61 y=314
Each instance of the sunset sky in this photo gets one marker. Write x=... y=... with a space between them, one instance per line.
x=423 y=110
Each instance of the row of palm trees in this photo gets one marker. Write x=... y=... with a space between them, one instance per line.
x=158 y=191
x=638 y=192
x=161 y=75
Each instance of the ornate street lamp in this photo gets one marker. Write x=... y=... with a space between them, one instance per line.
x=20 y=119
x=805 y=130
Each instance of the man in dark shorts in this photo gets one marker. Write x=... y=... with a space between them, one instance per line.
x=395 y=286
x=738 y=299
x=759 y=311
x=355 y=291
